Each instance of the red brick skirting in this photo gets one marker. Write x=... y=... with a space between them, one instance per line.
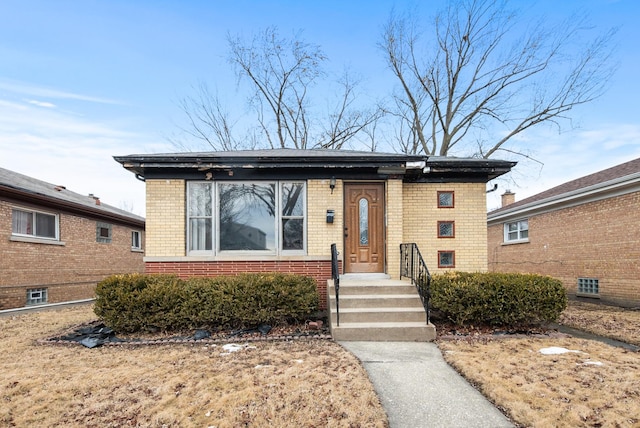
x=320 y=270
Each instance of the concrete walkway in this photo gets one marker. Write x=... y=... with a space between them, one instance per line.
x=419 y=389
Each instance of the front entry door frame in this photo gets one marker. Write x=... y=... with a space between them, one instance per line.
x=364 y=227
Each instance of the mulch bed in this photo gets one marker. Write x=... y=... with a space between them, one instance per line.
x=96 y=334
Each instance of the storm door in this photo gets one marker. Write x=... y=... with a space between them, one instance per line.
x=364 y=227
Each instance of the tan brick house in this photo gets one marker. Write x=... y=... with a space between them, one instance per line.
x=585 y=232
x=55 y=245
x=280 y=210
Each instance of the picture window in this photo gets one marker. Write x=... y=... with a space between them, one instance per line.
x=34 y=224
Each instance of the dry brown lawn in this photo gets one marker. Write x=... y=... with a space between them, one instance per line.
x=596 y=386
x=312 y=383
x=610 y=321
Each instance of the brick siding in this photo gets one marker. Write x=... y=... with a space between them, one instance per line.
x=320 y=270
x=595 y=240
x=69 y=271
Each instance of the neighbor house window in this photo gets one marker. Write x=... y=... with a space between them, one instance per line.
x=260 y=217
x=445 y=199
x=36 y=296
x=136 y=242
x=35 y=224
x=103 y=232
x=446 y=259
x=588 y=286
x=516 y=231
x=446 y=229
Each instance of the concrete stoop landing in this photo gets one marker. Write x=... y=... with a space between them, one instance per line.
x=378 y=309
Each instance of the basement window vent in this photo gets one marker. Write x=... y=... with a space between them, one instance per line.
x=588 y=286
x=36 y=296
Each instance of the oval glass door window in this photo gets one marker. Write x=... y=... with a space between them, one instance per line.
x=364 y=221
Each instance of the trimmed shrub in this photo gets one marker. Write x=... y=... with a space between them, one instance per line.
x=499 y=299
x=136 y=302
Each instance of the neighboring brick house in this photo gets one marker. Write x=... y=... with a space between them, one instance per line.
x=585 y=232
x=280 y=210
x=55 y=245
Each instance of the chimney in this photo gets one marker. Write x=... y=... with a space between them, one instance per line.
x=95 y=198
x=508 y=197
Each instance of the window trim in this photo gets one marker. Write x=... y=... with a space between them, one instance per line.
x=519 y=239
x=453 y=198
x=453 y=259
x=25 y=237
x=453 y=229
x=215 y=228
x=139 y=247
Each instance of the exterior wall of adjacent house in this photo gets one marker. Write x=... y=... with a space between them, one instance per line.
x=421 y=216
x=596 y=240
x=68 y=269
x=412 y=215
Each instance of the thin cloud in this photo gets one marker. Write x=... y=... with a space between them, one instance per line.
x=32 y=90
x=41 y=103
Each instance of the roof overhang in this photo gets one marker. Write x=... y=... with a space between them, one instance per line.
x=312 y=164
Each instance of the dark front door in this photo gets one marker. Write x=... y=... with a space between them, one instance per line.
x=364 y=227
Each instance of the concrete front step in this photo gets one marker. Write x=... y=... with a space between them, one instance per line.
x=359 y=289
x=384 y=332
x=377 y=301
x=370 y=315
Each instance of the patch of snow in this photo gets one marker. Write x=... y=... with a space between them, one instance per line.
x=298 y=361
x=593 y=363
x=555 y=350
x=234 y=347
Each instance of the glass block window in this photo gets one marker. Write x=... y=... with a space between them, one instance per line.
x=446 y=259
x=588 y=286
x=446 y=229
x=445 y=199
x=36 y=296
x=516 y=231
x=103 y=232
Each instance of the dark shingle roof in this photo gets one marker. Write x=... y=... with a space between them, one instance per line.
x=575 y=186
x=20 y=184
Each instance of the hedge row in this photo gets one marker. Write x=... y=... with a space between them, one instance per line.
x=136 y=302
x=500 y=299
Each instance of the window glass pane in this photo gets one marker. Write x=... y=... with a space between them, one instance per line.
x=445 y=229
x=524 y=234
x=364 y=221
x=200 y=200
x=200 y=229
x=135 y=239
x=247 y=216
x=22 y=222
x=45 y=225
x=445 y=199
x=446 y=258
x=292 y=234
x=292 y=200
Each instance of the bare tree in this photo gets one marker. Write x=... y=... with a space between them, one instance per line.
x=483 y=80
x=282 y=75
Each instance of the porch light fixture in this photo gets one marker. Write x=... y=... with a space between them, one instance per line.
x=332 y=184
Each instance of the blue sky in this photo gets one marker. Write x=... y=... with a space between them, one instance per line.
x=82 y=81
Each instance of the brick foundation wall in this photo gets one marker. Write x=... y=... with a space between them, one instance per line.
x=595 y=240
x=320 y=270
x=69 y=271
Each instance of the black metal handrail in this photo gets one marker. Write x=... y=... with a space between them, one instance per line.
x=412 y=266
x=335 y=275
